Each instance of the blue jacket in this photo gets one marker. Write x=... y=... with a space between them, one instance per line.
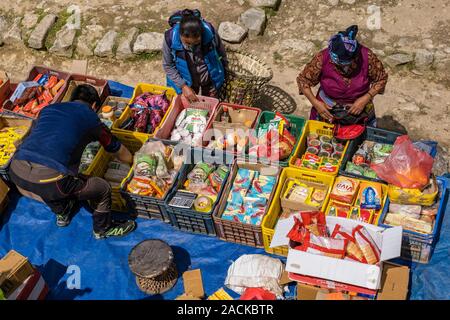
x=211 y=56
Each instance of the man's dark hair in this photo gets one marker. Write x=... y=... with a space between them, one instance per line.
x=86 y=93
x=190 y=24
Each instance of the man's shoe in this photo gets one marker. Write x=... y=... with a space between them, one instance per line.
x=64 y=219
x=117 y=229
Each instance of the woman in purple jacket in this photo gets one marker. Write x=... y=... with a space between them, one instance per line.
x=349 y=75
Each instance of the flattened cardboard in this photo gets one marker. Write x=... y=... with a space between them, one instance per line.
x=193 y=284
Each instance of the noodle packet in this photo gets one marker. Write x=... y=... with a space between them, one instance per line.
x=367 y=244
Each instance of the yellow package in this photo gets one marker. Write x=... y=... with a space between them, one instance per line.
x=297 y=191
x=424 y=197
x=317 y=197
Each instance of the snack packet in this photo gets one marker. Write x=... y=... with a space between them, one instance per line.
x=344 y=189
x=338 y=209
x=200 y=172
x=324 y=246
x=367 y=245
x=352 y=250
x=217 y=177
x=363 y=215
x=314 y=222
x=370 y=194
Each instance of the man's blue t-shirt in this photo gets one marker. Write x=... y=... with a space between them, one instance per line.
x=60 y=135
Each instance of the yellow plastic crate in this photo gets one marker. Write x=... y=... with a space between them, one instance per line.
x=270 y=220
x=377 y=214
x=99 y=166
x=140 y=89
x=321 y=128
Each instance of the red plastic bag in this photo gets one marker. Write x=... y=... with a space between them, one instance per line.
x=257 y=294
x=406 y=167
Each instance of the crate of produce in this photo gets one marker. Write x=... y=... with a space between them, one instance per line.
x=377 y=148
x=100 y=166
x=101 y=85
x=275 y=210
x=236 y=220
x=143 y=200
x=12 y=133
x=419 y=238
x=192 y=204
x=258 y=149
x=186 y=122
x=42 y=87
x=125 y=123
x=317 y=137
x=350 y=198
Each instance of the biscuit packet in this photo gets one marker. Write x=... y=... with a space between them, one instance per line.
x=367 y=245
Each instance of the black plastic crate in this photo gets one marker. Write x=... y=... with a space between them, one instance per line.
x=146 y=207
x=372 y=134
x=191 y=220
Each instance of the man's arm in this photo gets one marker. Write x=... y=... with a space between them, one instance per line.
x=111 y=144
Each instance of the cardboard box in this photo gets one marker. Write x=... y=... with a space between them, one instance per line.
x=193 y=285
x=33 y=288
x=394 y=286
x=359 y=274
x=4 y=190
x=238 y=116
x=17 y=269
x=298 y=206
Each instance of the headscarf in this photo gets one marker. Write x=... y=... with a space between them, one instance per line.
x=343 y=47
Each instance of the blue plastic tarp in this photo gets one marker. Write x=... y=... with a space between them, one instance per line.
x=62 y=253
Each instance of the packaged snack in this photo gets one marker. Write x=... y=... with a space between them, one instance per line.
x=370 y=195
x=145 y=165
x=363 y=215
x=354 y=168
x=297 y=191
x=311 y=161
x=329 y=164
x=317 y=197
x=314 y=222
x=352 y=249
x=217 y=177
x=369 y=173
x=324 y=246
x=200 y=172
x=344 y=189
x=297 y=232
x=413 y=211
x=367 y=245
x=339 y=209
x=409 y=223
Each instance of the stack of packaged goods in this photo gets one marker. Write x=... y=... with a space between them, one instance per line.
x=154 y=170
x=249 y=197
x=203 y=186
x=88 y=155
x=355 y=199
x=189 y=126
x=147 y=111
x=322 y=153
x=8 y=139
x=31 y=97
x=368 y=153
x=116 y=172
x=274 y=140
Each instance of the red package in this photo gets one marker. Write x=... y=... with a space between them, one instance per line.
x=298 y=231
x=314 y=221
x=353 y=251
x=324 y=246
x=367 y=245
x=257 y=294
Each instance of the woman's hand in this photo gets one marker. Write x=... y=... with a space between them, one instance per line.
x=323 y=110
x=358 y=106
x=189 y=94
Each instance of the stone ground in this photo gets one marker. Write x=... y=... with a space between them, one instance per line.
x=417 y=93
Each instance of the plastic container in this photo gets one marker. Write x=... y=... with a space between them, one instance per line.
x=190 y=220
x=114 y=100
x=99 y=166
x=144 y=206
x=8 y=106
x=101 y=85
x=12 y=122
x=371 y=134
x=168 y=124
x=237 y=232
x=270 y=220
x=320 y=128
x=297 y=125
x=140 y=89
x=416 y=246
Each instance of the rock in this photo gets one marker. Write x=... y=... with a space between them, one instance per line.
x=105 y=46
x=297 y=46
x=441 y=162
x=148 y=42
x=411 y=107
x=30 y=20
x=37 y=37
x=349 y=1
x=14 y=34
x=333 y=2
x=265 y=3
x=254 y=19
x=423 y=58
x=63 y=45
x=379 y=53
x=241 y=2
x=88 y=39
x=125 y=48
x=428 y=43
x=3 y=25
x=398 y=59
x=232 y=32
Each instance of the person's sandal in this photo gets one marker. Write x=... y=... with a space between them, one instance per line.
x=117 y=229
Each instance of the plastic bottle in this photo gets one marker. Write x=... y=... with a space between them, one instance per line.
x=225 y=117
x=108 y=113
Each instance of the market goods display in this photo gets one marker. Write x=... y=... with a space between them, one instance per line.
x=154 y=170
x=249 y=196
x=322 y=153
x=368 y=153
x=31 y=97
x=8 y=139
x=117 y=105
x=310 y=234
x=273 y=140
x=147 y=111
x=355 y=199
x=189 y=126
x=302 y=195
x=201 y=189
x=88 y=155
